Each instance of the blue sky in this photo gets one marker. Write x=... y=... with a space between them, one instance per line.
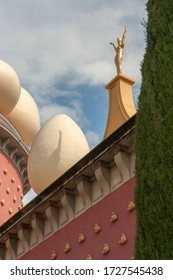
x=61 y=53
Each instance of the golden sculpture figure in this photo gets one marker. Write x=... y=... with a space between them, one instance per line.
x=119 y=51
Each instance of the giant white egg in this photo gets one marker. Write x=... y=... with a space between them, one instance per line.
x=25 y=117
x=9 y=88
x=59 y=144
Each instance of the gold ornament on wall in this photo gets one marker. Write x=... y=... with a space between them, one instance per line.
x=131 y=206
x=5 y=171
x=19 y=207
x=12 y=179
x=2 y=202
x=123 y=239
x=14 y=199
x=89 y=257
x=81 y=238
x=18 y=188
x=97 y=228
x=114 y=217
x=8 y=190
x=67 y=247
x=10 y=211
x=106 y=249
x=53 y=255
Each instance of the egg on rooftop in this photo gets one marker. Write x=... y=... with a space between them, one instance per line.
x=59 y=144
x=25 y=117
x=9 y=88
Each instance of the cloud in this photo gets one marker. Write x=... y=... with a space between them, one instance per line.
x=52 y=39
x=29 y=196
x=56 y=46
x=73 y=110
x=93 y=138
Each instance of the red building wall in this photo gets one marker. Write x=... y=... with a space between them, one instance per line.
x=10 y=188
x=93 y=244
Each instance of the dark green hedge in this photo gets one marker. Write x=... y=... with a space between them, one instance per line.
x=154 y=137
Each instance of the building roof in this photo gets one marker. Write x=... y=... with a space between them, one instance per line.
x=120 y=141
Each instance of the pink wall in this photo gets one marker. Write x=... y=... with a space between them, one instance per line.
x=10 y=188
x=110 y=233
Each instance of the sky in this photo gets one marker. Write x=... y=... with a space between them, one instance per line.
x=61 y=53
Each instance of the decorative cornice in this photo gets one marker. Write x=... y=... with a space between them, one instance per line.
x=11 y=144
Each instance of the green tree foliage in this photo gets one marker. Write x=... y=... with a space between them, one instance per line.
x=154 y=137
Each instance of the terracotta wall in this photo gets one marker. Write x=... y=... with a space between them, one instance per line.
x=10 y=189
x=93 y=244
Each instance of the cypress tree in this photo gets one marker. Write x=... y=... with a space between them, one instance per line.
x=154 y=137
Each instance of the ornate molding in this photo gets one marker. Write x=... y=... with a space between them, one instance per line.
x=11 y=245
x=12 y=146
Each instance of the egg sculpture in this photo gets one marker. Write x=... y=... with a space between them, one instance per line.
x=9 y=88
x=59 y=144
x=25 y=117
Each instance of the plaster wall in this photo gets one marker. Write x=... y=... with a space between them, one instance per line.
x=92 y=246
x=10 y=189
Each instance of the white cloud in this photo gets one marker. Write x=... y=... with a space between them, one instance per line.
x=29 y=196
x=93 y=138
x=46 y=39
x=66 y=42
x=74 y=111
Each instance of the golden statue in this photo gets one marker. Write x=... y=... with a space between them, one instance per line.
x=119 y=51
